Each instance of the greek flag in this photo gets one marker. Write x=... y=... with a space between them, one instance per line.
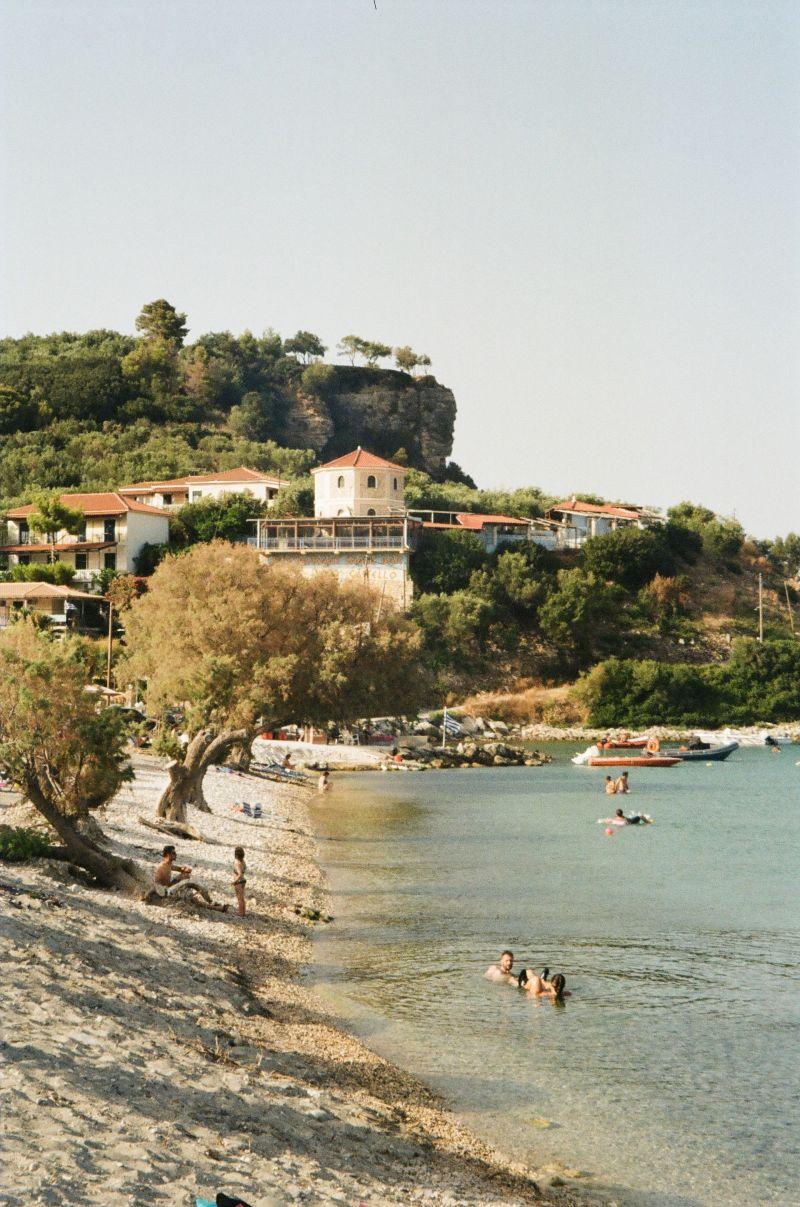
x=450 y=724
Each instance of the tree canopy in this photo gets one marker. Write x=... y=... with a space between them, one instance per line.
x=68 y=756
x=240 y=643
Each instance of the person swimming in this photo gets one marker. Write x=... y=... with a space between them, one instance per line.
x=501 y=970
x=620 y=819
x=622 y=784
x=540 y=986
x=611 y=786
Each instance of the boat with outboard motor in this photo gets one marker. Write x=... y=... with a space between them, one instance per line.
x=713 y=754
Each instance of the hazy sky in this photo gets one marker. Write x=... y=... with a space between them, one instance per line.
x=588 y=213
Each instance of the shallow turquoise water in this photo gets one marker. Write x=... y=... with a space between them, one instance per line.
x=673 y=1068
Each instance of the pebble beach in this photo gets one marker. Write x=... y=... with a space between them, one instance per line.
x=154 y=1053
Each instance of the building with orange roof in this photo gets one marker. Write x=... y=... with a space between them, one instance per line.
x=359 y=484
x=360 y=530
x=595 y=519
x=114 y=531
x=170 y=493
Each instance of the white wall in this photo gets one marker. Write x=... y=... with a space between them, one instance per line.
x=347 y=492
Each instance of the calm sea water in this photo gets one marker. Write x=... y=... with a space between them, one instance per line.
x=673 y=1068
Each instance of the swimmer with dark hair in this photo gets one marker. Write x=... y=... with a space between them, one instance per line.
x=540 y=986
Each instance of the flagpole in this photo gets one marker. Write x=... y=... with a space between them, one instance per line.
x=444 y=727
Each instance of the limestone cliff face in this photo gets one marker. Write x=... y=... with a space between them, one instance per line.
x=382 y=410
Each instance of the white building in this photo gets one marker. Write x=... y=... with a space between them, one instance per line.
x=595 y=519
x=113 y=533
x=359 y=484
x=174 y=492
x=360 y=532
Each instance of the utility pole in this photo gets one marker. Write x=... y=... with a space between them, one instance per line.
x=444 y=727
x=760 y=607
x=110 y=643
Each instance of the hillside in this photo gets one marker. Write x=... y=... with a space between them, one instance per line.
x=98 y=409
x=638 y=627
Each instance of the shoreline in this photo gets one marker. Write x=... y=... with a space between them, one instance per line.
x=154 y=1053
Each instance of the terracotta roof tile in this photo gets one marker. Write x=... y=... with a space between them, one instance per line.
x=103 y=503
x=360 y=457
x=473 y=520
x=242 y=474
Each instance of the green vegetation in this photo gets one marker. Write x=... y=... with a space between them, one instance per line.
x=67 y=756
x=760 y=683
x=18 y=844
x=242 y=644
x=653 y=611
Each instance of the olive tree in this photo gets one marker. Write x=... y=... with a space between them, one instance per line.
x=67 y=755
x=240 y=643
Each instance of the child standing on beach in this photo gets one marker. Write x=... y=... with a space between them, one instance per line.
x=239 y=870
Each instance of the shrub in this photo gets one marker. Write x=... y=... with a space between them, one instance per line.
x=19 y=844
x=446 y=561
x=628 y=556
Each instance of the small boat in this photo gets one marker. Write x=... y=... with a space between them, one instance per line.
x=655 y=760
x=625 y=744
x=715 y=754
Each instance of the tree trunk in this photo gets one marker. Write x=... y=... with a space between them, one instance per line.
x=107 y=870
x=185 y=785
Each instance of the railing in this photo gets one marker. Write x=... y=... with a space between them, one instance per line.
x=290 y=544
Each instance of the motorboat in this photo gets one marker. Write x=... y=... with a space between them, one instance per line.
x=714 y=754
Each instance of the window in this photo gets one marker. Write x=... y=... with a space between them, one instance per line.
x=109 y=529
x=24 y=559
x=371 y=482
x=81 y=561
x=82 y=533
x=167 y=500
x=340 y=482
x=24 y=534
x=371 y=511
x=394 y=484
x=110 y=561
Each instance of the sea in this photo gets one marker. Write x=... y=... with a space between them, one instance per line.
x=670 y=1076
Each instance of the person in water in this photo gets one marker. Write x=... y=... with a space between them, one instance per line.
x=501 y=971
x=622 y=785
x=611 y=785
x=539 y=986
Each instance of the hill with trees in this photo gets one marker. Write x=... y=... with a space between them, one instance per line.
x=94 y=410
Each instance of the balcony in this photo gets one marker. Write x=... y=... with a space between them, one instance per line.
x=341 y=535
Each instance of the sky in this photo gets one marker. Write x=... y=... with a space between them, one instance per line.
x=587 y=214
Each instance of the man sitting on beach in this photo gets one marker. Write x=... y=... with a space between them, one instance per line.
x=501 y=971
x=169 y=873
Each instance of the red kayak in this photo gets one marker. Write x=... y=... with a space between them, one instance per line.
x=629 y=761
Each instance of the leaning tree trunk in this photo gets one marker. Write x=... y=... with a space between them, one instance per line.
x=185 y=785
x=107 y=870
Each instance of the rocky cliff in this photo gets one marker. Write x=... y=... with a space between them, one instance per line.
x=381 y=409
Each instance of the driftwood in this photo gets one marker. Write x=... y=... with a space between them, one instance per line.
x=176 y=829
x=180 y=892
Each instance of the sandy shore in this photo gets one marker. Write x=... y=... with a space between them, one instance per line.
x=153 y=1053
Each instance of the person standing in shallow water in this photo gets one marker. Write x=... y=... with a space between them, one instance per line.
x=239 y=881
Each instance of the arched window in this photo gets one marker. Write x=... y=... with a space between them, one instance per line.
x=371 y=511
x=371 y=483
x=395 y=483
x=340 y=482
